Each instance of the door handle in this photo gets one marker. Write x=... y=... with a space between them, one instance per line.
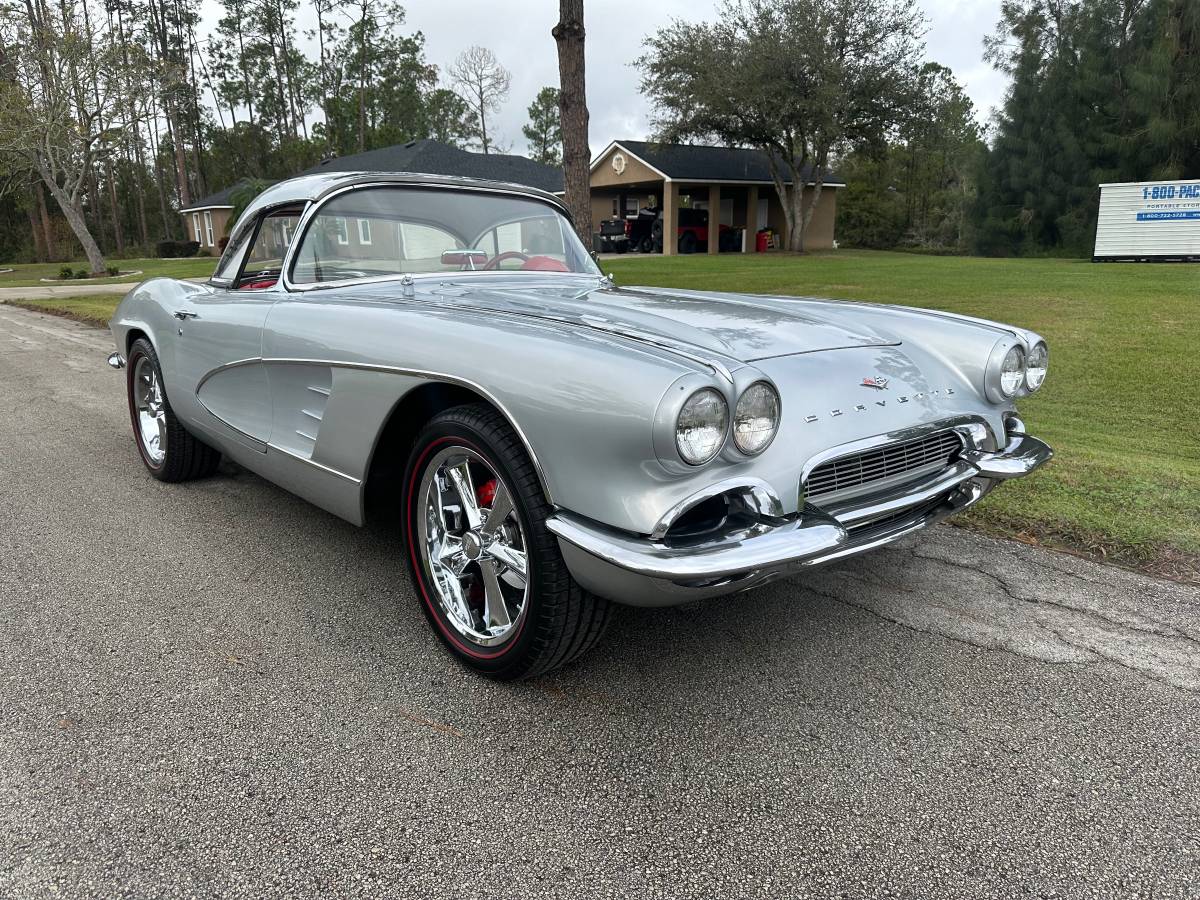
x=184 y=314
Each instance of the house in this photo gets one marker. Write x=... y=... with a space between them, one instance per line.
x=734 y=182
x=681 y=180
x=205 y=220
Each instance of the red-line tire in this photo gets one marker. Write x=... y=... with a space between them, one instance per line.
x=186 y=457
x=561 y=621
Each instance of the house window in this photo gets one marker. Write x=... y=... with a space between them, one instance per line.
x=196 y=227
x=631 y=206
x=341 y=231
x=364 y=231
x=208 y=234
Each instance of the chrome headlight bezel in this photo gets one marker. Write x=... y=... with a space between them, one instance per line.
x=716 y=417
x=746 y=397
x=1039 y=347
x=1004 y=350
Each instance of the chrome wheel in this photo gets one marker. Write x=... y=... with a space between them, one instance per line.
x=151 y=410
x=473 y=546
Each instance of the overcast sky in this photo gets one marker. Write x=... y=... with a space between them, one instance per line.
x=518 y=32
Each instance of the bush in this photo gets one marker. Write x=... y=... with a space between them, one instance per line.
x=66 y=272
x=114 y=271
x=81 y=273
x=168 y=249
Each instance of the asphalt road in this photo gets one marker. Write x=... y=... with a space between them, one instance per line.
x=218 y=690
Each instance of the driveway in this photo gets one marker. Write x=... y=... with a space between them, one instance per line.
x=217 y=690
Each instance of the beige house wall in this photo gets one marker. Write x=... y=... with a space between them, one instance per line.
x=605 y=176
x=820 y=233
x=194 y=218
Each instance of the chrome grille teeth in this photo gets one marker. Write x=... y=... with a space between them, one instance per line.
x=882 y=462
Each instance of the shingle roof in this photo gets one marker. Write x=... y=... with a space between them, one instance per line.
x=220 y=198
x=435 y=158
x=689 y=162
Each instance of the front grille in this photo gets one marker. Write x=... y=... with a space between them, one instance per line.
x=929 y=453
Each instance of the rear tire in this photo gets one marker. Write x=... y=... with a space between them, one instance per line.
x=544 y=623
x=170 y=452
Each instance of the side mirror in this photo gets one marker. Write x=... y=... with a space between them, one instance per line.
x=468 y=258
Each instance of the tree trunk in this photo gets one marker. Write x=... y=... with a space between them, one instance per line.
x=47 y=227
x=35 y=229
x=73 y=213
x=572 y=109
x=114 y=209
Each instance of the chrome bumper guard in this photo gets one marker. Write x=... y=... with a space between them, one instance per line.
x=643 y=572
x=116 y=360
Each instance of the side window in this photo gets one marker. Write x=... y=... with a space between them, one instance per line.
x=235 y=251
x=264 y=261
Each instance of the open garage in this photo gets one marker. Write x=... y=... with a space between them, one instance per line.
x=660 y=197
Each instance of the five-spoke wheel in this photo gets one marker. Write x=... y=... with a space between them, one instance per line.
x=489 y=573
x=472 y=541
x=151 y=410
x=170 y=451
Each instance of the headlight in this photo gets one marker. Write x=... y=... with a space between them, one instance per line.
x=1005 y=371
x=1035 y=366
x=1012 y=371
x=701 y=426
x=755 y=418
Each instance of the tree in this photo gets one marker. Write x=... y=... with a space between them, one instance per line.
x=448 y=118
x=802 y=80
x=1100 y=90
x=544 y=132
x=569 y=35
x=483 y=83
x=61 y=111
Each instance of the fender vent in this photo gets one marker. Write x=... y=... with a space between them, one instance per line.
x=889 y=463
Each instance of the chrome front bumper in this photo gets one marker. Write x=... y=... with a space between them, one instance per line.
x=641 y=571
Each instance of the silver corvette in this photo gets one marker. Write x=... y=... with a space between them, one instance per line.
x=447 y=351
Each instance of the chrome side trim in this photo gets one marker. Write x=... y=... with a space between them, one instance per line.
x=389 y=370
x=312 y=462
x=256 y=443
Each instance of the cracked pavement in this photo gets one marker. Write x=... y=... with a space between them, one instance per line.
x=215 y=689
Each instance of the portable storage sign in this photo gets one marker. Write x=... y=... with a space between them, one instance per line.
x=1149 y=220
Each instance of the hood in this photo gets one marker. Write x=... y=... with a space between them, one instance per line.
x=735 y=328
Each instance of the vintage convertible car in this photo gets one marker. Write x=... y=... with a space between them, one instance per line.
x=448 y=351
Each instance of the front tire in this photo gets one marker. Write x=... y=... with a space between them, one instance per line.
x=486 y=570
x=171 y=453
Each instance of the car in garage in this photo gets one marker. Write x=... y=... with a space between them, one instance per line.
x=555 y=444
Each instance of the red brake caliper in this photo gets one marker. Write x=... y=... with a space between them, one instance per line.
x=485 y=494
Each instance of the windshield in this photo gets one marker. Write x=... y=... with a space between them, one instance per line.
x=380 y=231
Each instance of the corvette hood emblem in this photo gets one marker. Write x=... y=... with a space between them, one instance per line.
x=876 y=381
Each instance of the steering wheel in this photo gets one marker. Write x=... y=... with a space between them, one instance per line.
x=494 y=263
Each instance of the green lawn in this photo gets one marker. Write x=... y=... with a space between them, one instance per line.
x=31 y=275
x=95 y=309
x=1118 y=406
